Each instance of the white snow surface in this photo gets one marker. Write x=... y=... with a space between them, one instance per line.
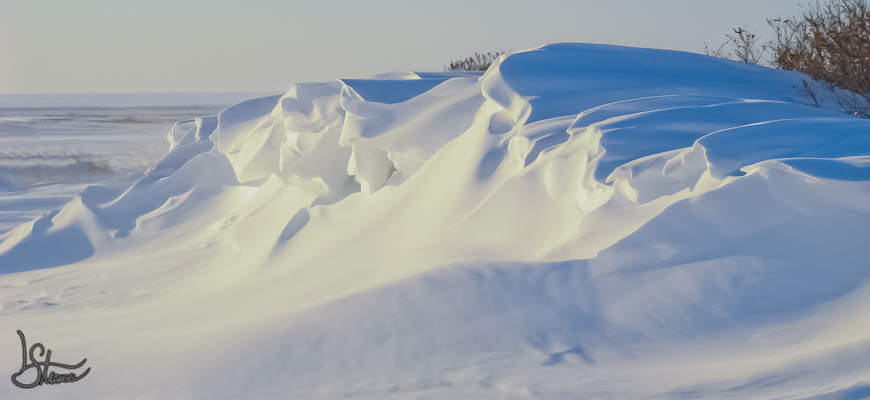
x=580 y=221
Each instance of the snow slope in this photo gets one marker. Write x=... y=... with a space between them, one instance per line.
x=581 y=221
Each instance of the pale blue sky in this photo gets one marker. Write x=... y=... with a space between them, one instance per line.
x=117 y=46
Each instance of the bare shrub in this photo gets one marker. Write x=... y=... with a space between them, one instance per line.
x=830 y=42
x=744 y=47
x=477 y=62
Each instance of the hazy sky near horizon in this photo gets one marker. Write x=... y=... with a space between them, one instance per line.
x=126 y=46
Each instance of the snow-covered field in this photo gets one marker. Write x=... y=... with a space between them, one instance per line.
x=581 y=221
x=53 y=146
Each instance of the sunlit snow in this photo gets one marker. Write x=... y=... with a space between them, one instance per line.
x=580 y=221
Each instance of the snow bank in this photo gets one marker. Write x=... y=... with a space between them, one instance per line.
x=581 y=220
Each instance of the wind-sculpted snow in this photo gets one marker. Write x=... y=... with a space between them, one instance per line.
x=579 y=221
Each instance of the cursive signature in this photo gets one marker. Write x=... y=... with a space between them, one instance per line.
x=42 y=373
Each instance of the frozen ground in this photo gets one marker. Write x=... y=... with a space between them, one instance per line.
x=580 y=221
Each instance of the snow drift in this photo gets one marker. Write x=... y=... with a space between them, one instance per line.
x=579 y=221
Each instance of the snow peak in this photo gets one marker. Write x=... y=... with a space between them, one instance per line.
x=42 y=375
